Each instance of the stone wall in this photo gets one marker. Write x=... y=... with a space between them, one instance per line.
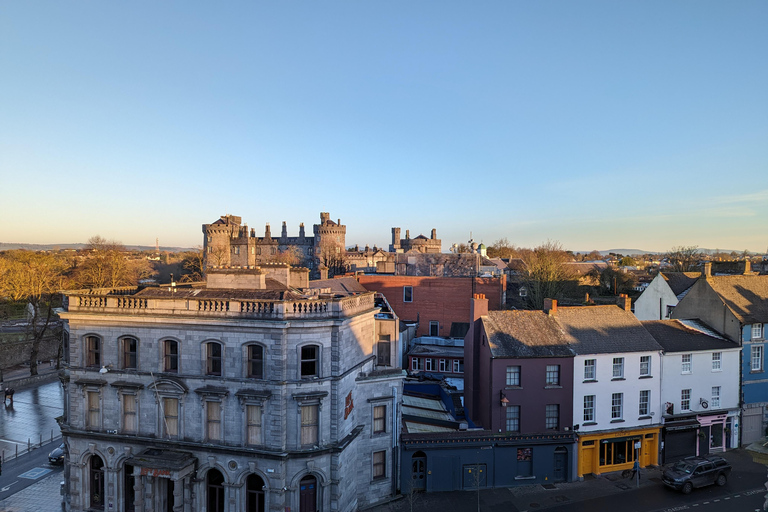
x=13 y=353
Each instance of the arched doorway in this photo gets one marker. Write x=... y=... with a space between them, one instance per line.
x=254 y=493
x=128 y=483
x=96 y=482
x=214 y=482
x=308 y=494
x=419 y=471
x=560 y=465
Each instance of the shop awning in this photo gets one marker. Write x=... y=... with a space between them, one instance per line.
x=688 y=424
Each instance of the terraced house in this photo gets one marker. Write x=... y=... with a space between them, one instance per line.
x=249 y=392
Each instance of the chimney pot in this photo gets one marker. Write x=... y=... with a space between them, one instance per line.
x=707 y=269
x=550 y=307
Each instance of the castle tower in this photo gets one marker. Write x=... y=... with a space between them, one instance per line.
x=395 y=240
x=217 y=239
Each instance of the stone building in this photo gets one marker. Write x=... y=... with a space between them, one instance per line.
x=227 y=242
x=239 y=394
x=418 y=244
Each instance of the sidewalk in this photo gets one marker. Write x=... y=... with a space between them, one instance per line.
x=540 y=497
x=43 y=496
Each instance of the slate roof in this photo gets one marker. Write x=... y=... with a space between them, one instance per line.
x=680 y=282
x=745 y=296
x=676 y=336
x=523 y=333
x=437 y=350
x=604 y=330
x=341 y=285
x=459 y=329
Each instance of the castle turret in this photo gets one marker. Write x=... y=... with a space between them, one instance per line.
x=395 y=240
x=284 y=233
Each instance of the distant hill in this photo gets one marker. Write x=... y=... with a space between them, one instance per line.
x=5 y=246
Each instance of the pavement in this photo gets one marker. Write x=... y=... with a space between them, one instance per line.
x=44 y=496
x=540 y=497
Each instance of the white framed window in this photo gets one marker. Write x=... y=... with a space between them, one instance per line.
x=617 y=406
x=645 y=399
x=645 y=366
x=590 y=369
x=717 y=361
x=441 y=366
x=618 y=367
x=429 y=364
x=513 y=375
x=685 y=400
x=757 y=331
x=407 y=293
x=686 y=363
x=513 y=418
x=589 y=408
x=715 y=401
x=552 y=416
x=456 y=368
x=756 y=358
x=523 y=291
x=553 y=375
x=416 y=364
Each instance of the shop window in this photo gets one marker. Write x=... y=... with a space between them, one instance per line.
x=524 y=462
x=620 y=451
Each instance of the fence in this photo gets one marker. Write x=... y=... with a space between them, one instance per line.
x=30 y=446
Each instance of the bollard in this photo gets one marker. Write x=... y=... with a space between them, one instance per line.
x=29 y=445
x=17 y=451
x=41 y=440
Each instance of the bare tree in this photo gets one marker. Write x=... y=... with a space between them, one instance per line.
x=291 y=255
x=193 y=263
x=684 y=258
x=333 y=257
x=545 y=274
x=501 y=248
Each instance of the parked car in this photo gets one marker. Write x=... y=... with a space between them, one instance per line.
x=57 y=455
x=692 y=472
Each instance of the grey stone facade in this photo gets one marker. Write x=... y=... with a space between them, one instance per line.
x=167 y=432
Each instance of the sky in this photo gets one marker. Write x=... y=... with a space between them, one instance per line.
x=597 y=124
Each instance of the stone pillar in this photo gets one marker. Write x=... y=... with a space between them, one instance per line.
x=138 y=490
x=187 y=494
x=178 y=495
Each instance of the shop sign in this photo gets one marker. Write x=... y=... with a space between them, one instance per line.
x=163 y=473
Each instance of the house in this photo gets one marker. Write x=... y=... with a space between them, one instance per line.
x=700 y=388
x=616 y=386
x=663 y=293
x=240 y=393
x=736 y=307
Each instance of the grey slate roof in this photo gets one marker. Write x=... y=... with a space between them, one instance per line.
x=522 y=333
x=675 y=336
x=680 y=282
x=605 y=330
x=340 y=285
x=746 y=296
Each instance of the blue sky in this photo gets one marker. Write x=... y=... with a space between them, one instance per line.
x=598 y=124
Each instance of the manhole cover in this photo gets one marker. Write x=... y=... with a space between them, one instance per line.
x=562 y=499
x=549 y=486
x=623 y=487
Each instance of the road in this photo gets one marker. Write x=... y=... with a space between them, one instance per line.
x=27 y=469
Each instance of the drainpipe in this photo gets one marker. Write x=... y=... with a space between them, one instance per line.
x=395 y=445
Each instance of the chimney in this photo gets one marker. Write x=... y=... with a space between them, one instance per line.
x=747 y=267
x=550 y=307
x=707 y=269
x=434 y=234
x=323 y=272
x=267 y=233
x=478 y=306
x=301 y=230
x=624 y=302
x=407 y=234
x=284 y=233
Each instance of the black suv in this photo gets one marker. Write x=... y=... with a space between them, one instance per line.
x=693 y=472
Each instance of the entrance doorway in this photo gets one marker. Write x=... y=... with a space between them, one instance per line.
x=254 y=493
x=215 y=490
x=419 y=471
x=560 y=464
x=308 y=494
x=96 y=481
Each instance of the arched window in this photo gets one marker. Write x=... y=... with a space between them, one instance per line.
x=310 y=359
x=93 y=351
x=308 y=494
x=255 y=361
x=96 y=481
x=171 y=356
x=213 y=353
x=130 y=352
x=254 y=493
x=215 y=491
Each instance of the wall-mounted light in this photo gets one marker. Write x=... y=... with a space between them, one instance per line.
x=105 y=368
x=504 y=400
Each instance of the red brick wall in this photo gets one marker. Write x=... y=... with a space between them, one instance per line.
x=444 y=299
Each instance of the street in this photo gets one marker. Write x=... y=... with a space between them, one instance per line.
x=27 y=470
x=30 y=418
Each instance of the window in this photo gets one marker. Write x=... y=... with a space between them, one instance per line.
x=523 y=291
x=212 y=421
x=171 y=356
x=589 y=408
x=379 y=464
x=255 y=361
x=685 y=400
x=617 y=405
x=213 y=358
x=756 y=359
x=96 y=482
x=715 y=402
x=309 y=425
x=129 y=414
x=130 y=353
x=757 y=331
x=513 y=418
x=93 y=418
x=429 y=364
x=407 y=293
x=379 y=419
x=416 y=364
x=253 y=424
x=309 y=358
x=93 y=346
x=618 y=367
x=456 y=366
x=645 y=365
x=553 y=375
x=670 y=309
x=441 y=365
x=590 y=365
x=686 y=366
x=645 y=398
x=384 y=351
x=434 y=328
x=171 y=417
x=552 y=416
x=513 y=375
x=717 y=361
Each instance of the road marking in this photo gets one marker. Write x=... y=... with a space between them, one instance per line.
x=35 y=473
x=8 y=486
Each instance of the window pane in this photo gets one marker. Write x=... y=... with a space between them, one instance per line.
x=171 y=363
x=309 y=361
x=255 y=362
x=213 y=421
x=253 y=413
x=171 y=410
x=214 y=358
x=129 y=413
x=309 y=424
x=379 y=419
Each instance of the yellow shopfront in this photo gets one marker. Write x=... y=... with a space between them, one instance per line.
x=615 y=451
